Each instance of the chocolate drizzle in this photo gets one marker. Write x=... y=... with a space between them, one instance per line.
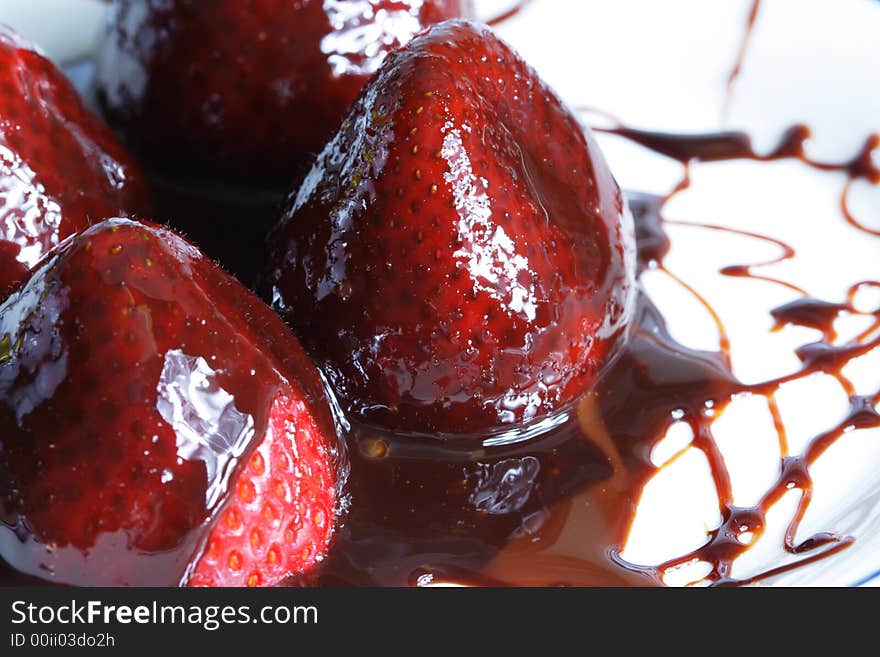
x=736 y=145
x=741 y=55
x=515 y=8
x=724 y=544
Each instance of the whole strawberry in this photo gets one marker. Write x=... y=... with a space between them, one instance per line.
x=61 y=167
x=246 y=91
x=459 y=257
x=159 y=425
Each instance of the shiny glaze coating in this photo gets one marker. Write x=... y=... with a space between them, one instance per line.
x=246 y=91
x=144 y=392
x=459 y=258
x=61 y=167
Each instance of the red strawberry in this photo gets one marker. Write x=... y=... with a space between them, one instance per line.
x=246 y=90
x=459 y=257
x=158 y=424
x=61 y=167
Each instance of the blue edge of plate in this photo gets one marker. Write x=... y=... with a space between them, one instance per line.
x=872 y=579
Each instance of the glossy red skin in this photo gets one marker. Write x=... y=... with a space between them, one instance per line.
x=459 y=259
x=96 y=484
x=246 y=91
x=61 y=167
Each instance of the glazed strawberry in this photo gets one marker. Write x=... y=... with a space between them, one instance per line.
x=459 y=258
x=246 y=91
x=158 y=423
x=61 y=167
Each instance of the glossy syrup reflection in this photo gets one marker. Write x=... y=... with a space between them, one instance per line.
x=742 y=527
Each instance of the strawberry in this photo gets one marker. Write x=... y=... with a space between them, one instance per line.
x=459 y=257
x=246 y=91
x=61 y=167
x=158 y=423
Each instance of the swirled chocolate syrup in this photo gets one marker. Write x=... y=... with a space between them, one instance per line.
x=741 y=55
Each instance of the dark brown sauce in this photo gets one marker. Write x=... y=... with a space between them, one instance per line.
x=745 y=271
x=724 y=546
x=651 y=240
x=809 y=312
x=741 y=56
x=736 y=145
x=507 y=14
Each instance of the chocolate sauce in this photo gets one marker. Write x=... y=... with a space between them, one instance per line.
x=746 y=270
x=735 y=145
x=515 y=8
x=724 y=544
x=812 y=313
x=651 y=240
x=741 y=55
